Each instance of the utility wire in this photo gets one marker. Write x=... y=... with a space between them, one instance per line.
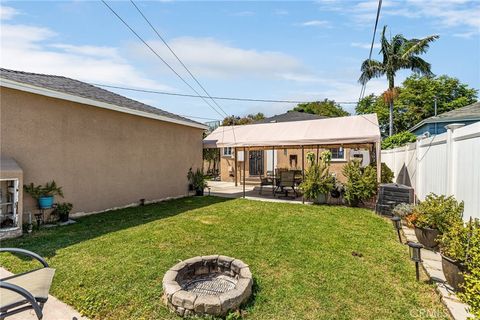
x=181 y=62
x=214 y=97
x=175 y=55
x=158 y=56
x=364 y=86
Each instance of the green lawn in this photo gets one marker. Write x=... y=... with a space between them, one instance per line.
x=110 y=265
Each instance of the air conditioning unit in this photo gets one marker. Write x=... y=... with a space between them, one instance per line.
x=363 y=155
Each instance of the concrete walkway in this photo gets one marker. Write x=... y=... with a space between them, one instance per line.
x=432 y=264
x=54 y=309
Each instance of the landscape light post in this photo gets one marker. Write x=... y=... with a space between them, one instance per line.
x=416 y=256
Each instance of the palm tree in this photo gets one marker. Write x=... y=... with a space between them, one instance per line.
x=398 y=53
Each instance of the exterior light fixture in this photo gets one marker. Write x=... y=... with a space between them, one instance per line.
x=416 y=255
x=397 y=224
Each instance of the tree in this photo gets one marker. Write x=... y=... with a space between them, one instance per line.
x=327 y=108
x=235 y=120
x=398 y=140
x=211 y=155
x=400 y=53
x=416 y=99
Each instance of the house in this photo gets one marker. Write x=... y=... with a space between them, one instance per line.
x=279 y=145
x=291 y=116
x=104 y=149
x=436 y=124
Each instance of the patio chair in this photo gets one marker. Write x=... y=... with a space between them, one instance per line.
x=25 y=291
x=266 y=181
x=287 y=180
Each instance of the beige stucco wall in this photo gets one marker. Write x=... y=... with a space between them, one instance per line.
x=101 y=158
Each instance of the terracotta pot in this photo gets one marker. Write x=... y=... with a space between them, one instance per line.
x=427 y=237
x=453 y=271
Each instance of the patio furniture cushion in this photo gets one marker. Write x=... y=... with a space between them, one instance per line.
x=37 y=282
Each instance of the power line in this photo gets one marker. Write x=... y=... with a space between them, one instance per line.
x=202 y=118
x=364 y=86
x=181 y=62
x=214 y=97
x=175 y=55
x=158 y=56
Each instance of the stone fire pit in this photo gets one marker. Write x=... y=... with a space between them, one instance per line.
x=207 y=285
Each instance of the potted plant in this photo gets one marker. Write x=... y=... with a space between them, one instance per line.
x=199 y=182
x=63 y=210
x=190 y=179
x=471 y=286
x=44 y=194
x=318 y=181
x=435 y=216
x=403 y=211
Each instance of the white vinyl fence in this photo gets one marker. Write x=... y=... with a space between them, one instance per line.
x=447 y=164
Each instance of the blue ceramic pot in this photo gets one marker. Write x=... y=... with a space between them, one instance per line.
x=45 y=202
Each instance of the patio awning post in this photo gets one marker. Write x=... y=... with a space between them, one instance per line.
x=244 y=169
x=273 y=168
x=236 y=166
x=379 y=161
x=303 y=171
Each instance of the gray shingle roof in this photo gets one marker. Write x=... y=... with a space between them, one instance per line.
x=470 y=112
x=84 y=90
x=291 y=116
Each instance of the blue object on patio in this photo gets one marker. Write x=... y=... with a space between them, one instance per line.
x=45 y=202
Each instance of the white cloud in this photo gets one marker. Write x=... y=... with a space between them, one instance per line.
x=207 y=57
x=7 y=13
x=465 y=35
x=107 y=52
x=444 y=13
x=364 y=45
x=26 y=48
x=315 y=23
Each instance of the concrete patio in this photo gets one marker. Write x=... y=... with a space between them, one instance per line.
x=252 y=192
x=54 y=309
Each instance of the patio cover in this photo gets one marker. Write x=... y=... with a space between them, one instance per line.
x=341 y=130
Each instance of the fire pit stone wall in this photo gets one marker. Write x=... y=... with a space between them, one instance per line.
x=207 y=285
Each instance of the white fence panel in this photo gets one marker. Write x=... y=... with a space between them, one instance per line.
x=432 y=166
x=466 y=168
x=447 y=164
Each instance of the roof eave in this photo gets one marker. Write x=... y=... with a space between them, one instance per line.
x=74 y=98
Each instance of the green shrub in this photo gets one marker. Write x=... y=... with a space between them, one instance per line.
x=438 y=212
x=403 y=210
x=471 y=293
x=318 y=179
x=50 y=189
x=398 y=140
x=386 y=174
x=454 y=242
x=198 y=180
x=361 y=182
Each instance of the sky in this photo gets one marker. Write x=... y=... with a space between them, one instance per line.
x=251 y=49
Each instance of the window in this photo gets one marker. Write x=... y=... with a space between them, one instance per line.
x=338 y=154
x=227 y=152
x=293 y=160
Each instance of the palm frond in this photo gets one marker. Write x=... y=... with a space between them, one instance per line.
x=418 y=46
x=371 y=69
x=384 y=44
x=418 y=65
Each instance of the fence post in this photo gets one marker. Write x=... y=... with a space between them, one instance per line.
x=451 y=157
x=418 y=173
